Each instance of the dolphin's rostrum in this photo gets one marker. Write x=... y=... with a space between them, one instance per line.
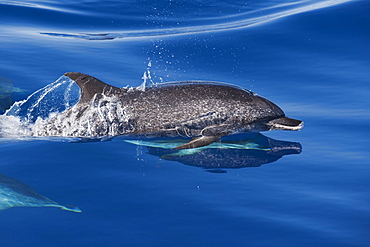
x=204 y=111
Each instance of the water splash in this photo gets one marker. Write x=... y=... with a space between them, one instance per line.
x=100 y=118
x=147 y=78
x=55 y=97
x=53 y=112
x=20 y=120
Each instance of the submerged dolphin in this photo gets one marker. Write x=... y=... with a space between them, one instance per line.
x=205 y=111
x=14 y=193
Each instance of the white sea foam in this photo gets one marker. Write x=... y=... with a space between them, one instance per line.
x=13 y=127
x=103 y=116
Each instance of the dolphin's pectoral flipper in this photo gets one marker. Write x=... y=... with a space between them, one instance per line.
x=218 y=130
x=210 y=134
x=199 y=142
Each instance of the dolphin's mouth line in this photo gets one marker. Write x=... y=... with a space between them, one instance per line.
x=285 y=123
x=286 y=127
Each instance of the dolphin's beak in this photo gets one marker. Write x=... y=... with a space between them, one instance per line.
x=285 y=123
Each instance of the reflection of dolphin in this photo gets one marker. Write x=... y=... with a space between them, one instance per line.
x=253 y=151
x=205 y=111
x=16 y=194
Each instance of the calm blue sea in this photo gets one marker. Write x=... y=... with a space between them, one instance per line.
x=278 y=188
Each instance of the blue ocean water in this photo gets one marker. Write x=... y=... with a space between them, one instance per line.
x=306 y=188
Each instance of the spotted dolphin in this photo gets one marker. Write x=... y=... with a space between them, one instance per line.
x=204 y=111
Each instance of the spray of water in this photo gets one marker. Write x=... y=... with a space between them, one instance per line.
x=22 y=117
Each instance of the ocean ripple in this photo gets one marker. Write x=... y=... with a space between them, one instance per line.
x=222 y=23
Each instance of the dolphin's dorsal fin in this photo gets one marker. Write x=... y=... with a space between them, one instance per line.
x=91 y=86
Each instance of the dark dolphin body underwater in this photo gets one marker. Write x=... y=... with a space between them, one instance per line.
x=204 y=111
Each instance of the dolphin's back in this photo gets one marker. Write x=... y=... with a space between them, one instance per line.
x=195 y=105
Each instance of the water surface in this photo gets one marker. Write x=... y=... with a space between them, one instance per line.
x=309 y=57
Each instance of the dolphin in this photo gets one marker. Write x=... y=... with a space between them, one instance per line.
x=204 y=111
x=14 y=193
